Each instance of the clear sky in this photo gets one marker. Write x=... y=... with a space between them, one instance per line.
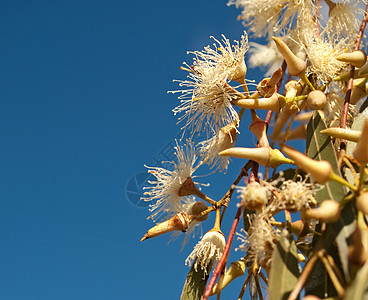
x=83 y=106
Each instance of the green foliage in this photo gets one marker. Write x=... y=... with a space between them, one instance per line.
x=284 y=268
x=320 y=147
x=195 y=284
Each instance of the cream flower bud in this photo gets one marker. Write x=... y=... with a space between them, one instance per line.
x=328 y=211
x=357 y=58
x=316 y=100
x=271 y=103
x=343 y=133
x=295 y=64
x=358 y=91
x=362 y=203
x=236 y=269
x=319 y=170
x=293 y=88
x=265 y=156
x=254 y=196
x=179 y=222
x=361 y=150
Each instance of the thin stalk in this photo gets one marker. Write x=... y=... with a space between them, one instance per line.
x=351 y=167
x=345 y=111
x=361 y=176
x=225 y=254
x=245 y=286
x=256 y=279
x=333 y=176
x=303 y=278
x=221 y=263
x=339 y=288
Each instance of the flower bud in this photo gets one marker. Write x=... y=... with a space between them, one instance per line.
x=293 y=88
x=304 y=117
x=328 y=211
x=179 y=222
x=311 y=297
x=357 y=58
x=363 y=71
x=300 y=228
x=236 y=269
x=295 y=64
x=265 y=156
x=271 y=103
x=358 y=250
x=297 y=133
x=254 y=196
x=197 y=208
x=319 y=170
x=343 y=133
x=316 y=100
x=362 y=203
x=361 y=150
x=358 y=90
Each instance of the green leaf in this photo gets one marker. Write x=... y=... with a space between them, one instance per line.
x=359 y=288
x=195 y=284
x=284 y=271
x=320 y=147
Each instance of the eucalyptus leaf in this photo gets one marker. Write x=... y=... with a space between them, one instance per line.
x=320 y=147
x=359 y=288
x=195 y=284
x=284 y=271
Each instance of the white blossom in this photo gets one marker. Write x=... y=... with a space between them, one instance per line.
x=210 y=148
x=206 y=101
x=208 y=251
x=165 y=190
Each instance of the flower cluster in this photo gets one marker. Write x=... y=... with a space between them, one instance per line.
x=316 y=75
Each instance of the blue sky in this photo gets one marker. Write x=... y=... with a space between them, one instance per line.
x=83 y=107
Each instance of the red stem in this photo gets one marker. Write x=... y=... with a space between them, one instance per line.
x=225 y=254
x=345 y=111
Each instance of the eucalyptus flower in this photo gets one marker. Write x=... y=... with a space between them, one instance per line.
x=208 y=251
x=206 y=101
x=166 y=189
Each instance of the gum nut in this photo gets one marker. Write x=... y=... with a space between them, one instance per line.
x=295 y=64
x=362 y=203
x=316 y=100
x=357 y=58
x=361 y=150
x=328 y=211
x=197 y=208
x=311 y=297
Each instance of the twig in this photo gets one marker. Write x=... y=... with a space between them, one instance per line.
x=337 y=284
x=303 y=277
x=345 y=111
x=225 y=254
x=245 y=285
